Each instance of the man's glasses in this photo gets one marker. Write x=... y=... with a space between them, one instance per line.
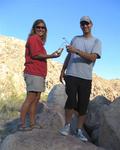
x=83 y=23
x=40 y=27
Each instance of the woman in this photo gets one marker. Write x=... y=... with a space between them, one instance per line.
x=35 y=71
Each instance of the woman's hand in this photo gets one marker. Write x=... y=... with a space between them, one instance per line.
x=57 y=53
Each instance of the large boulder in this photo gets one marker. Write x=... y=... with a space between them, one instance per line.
x=109 y=135
x=47 y=137
x=50 y=119
x=42 y=139
x=92 y=123
x=57 y=98
x=57 y=95
x=94 y=111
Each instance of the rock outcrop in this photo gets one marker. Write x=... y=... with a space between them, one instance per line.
x=109 y=135
x=102 y=122
x=11 y=73
x=47 y=137
x=102 y=126
x=44 y=140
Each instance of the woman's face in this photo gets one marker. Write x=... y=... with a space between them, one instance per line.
x=40 y=29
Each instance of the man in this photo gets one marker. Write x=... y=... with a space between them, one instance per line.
x=77 y=73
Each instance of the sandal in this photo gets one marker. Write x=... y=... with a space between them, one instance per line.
x=34 y=126
x=24 y=128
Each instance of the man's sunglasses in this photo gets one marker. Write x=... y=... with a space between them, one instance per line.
x=84 y=23
x=40 y=27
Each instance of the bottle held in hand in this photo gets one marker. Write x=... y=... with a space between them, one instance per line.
x=59 y=51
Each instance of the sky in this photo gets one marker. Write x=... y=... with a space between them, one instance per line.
x=62 y=18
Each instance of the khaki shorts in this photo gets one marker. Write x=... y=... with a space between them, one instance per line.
x=34 y=83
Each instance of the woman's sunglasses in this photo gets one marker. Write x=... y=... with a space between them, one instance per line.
x=40 y=27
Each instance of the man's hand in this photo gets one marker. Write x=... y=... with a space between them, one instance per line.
x=71 y=49
x=62 y=77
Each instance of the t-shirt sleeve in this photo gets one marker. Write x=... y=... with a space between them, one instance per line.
x=97 y=48
x=35 y=46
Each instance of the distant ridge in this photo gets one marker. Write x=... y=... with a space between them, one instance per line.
x=12 y=65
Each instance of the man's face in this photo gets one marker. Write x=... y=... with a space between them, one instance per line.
x=86 y=27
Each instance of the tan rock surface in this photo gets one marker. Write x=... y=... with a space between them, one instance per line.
x=44 y=140
x=11 y=73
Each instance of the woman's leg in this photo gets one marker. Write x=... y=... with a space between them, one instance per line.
x=33 y=108
x=30 y=98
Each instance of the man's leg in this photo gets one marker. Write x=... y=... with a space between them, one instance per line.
x=68 y=115
x=81 y=121
x=83 y=100
x=70 y=103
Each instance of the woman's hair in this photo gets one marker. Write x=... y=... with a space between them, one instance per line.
x=34 y=26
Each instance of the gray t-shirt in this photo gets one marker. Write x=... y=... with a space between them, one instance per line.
x=78 y=66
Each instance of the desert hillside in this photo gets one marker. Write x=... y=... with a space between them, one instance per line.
x=11 y=73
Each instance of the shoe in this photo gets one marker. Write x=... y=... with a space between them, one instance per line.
x=81 y=136
x=66 y=130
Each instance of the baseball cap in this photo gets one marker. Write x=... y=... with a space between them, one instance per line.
x=85 y=18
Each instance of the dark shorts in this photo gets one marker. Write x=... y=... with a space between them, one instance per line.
x=78 y=91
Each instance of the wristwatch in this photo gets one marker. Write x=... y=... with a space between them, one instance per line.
x=77 y=52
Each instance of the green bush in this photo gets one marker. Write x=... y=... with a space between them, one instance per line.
x=10 y=108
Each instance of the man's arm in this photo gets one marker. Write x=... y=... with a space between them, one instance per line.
x=88 y=56
x=64 y=67
x=66 y=62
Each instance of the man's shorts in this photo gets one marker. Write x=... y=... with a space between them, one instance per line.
x=34 y=83
x=78 y=91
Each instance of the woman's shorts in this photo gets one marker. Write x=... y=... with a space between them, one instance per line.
x=34 y=83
